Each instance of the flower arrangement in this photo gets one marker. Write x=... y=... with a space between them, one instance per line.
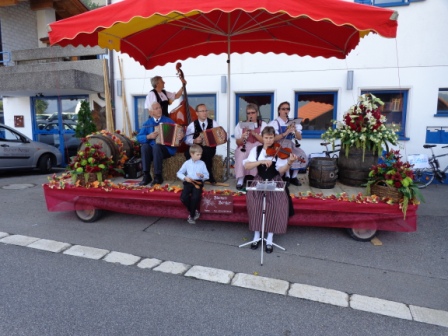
x=90 y=162
x=394 y=173
x=363 y=126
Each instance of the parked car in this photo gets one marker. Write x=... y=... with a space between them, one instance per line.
x=17 y=151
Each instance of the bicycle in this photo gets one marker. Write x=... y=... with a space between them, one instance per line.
x=332 y=154
x=423 y=177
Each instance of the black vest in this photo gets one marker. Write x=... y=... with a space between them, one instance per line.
x=266 y=174
x=198 y=127
x=163 y=103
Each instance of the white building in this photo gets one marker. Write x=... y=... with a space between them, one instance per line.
x=409 y=73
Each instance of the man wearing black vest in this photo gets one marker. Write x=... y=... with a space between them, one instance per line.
x=160 y=95
x=193 y=137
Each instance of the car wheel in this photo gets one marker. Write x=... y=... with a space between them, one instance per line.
x=363 y=235
x=89 y=215
x=45 y=164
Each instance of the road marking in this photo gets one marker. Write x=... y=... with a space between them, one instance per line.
x=149 y=263
x=319 y=294
x=380 y=306
x=210 y=274
x=121 y=258
x=18 y=240
x=260 y=283
x=49 y=245
x=172 y=267
x=249 y=281
x=86 y=252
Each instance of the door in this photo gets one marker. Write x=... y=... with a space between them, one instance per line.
x=55 y=123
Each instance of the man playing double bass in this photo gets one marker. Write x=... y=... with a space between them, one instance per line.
x=160 y=95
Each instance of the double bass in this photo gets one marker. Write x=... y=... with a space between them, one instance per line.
x=184 y=114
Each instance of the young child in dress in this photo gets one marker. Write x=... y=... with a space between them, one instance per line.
x=193 y=172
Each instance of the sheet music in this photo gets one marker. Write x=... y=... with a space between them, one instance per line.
x=247 y=125
x=294 y=121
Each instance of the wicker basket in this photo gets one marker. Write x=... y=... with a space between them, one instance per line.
x=382 y=189
x=92 y=177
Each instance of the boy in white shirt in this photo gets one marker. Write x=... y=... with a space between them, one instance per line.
x=193 y=172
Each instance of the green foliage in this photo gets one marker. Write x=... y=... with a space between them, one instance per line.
x=85 y=125
x=90 y=4
x=40 y=106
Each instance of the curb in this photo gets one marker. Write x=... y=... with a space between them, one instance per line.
x=248 y=281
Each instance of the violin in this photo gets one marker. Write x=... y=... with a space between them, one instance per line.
x=277 y=150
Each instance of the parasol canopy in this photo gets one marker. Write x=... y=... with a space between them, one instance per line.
x=157 y=32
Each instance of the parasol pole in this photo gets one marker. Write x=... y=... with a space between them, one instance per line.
x=109 y=116
x=127 y=130
x=228 y=98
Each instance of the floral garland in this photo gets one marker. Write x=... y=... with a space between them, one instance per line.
x=63 y=181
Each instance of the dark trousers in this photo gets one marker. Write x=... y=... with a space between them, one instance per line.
x=208 y=153
x=191 y=197
x=154 y=154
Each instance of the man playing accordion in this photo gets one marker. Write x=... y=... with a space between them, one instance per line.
x=151 y=151
x=194 y=136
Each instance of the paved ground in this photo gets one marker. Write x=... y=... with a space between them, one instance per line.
x=406 y=278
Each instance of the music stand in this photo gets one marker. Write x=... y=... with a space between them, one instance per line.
x=265 y=187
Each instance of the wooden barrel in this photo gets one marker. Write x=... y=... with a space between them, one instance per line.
x=353 y=170
x=108 y=146
x=323 y=172
x=128 y=145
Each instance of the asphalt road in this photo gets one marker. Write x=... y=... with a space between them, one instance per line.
x=410 y=268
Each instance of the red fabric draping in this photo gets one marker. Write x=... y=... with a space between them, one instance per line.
x=308 y=212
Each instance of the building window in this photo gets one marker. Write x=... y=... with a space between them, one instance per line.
x=262 y=99
x=208 y=99
x=317 y=110
x=394 y=108
x=2 y=116
x=442 y=103
x=385 y=3
x=141 y=114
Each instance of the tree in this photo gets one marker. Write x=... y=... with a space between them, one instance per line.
x=85 y=125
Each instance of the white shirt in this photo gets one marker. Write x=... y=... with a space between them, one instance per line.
x=190 y=130
x=151 y=98
x=239 y=131
x=253 y=158
x=274 y=124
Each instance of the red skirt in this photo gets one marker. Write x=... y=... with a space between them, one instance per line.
x=277 y=210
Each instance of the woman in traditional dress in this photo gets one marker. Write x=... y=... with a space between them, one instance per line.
x=288 y=136
x=246 y=139
x=278 y=204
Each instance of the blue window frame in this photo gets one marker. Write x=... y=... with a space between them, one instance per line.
x=317 y=110
x=385 y=3
x=141 y=114
x=264 y=101
x=394 y=108
x=442 y=103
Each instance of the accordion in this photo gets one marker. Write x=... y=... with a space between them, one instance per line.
x=170 y=134
x=213 y=137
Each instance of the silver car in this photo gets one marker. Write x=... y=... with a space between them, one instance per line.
x=17 y=151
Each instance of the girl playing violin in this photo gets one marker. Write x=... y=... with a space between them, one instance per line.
x=288 y=136
x=278 y=204
x=246 y=140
